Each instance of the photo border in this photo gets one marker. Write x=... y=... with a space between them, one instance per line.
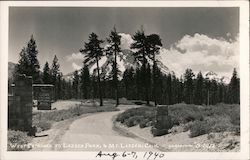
x=244 y=77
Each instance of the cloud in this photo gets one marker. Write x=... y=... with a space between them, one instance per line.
x=75 y=56
x=126 y=40
x=76 y=66
x=76 y=60
x=202 y=53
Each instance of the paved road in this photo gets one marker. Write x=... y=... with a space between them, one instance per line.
x=94 y=133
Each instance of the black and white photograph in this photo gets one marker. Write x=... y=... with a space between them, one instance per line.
x=126 y=82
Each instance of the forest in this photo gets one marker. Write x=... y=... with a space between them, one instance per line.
x=143 y=82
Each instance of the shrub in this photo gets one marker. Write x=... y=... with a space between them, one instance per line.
x=183 y=113
x=144 y=123
x=143 y=115
x=158 y=132
x=234 y=115
x=187 y=126
x=43 y=125
x=18 y=140
x=199 y=128
x=133 y=121
x=224 y=124
x=198 y=119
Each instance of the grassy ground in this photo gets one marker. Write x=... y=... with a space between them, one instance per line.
x=199 y=120
x=18 y=140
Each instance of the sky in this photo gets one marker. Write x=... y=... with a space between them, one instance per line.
x=203 y=39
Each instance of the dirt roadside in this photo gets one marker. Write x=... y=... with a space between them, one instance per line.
x=47 y=140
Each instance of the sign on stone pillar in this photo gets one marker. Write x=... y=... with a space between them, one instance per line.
x=20 y=104
x=44 y=94
x=162 y=121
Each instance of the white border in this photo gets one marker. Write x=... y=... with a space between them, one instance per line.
x=244 y=72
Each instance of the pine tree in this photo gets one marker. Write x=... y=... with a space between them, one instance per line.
x=112 y=51
x=234 y=88
x=32 y=52
x=208 y=90
x=128 y=79
x=93 y=53
x=188 y=86
x=85 y=82
x=141 y=55
x=175 y=87
x=139 y=83
x=28 y=63
x=153 y=43
x=59 y=85
x=76 y=84
x=169 y=88
x=46 y=74
x=198 y=99
x=158 y=89
x=23 y=66
x=55 y=71
x=148 y=78
x=214 y=92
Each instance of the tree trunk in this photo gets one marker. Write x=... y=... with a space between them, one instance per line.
x=154 y=80
x=99 y=82
x=208 y=97
x=116 y=82
x=144 y=76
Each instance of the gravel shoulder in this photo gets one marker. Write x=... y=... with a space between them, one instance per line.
x=47 y=140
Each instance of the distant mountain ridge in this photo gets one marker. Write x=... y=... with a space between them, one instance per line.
x=214 y=76
x=11 y=69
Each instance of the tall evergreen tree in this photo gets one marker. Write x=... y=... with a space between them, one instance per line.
x=158 y=89
x=129 y=82
x=198 y=99
x=23 y=66
x=28 y=63
x=59 y=85
x=46 y=74
x=169 y=88
x=214 y=92
x=153 y=43
x=188 y=86
x=93 y=53
x=32 y=52
x=141 y=55
x=55 y=71
x=207 y=90
x=76 y=80
x=175 y=87
x=234 y=88
x=85 y=82
x=112 y=51
x=139 y=83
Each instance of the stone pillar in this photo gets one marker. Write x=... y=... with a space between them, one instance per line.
x=162 y=121
x=23 y=90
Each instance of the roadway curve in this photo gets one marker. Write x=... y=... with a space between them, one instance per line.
x=95 y=132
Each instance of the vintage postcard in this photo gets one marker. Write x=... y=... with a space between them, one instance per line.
x=118 y=80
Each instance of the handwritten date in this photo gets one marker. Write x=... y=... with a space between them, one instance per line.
x=131 y=155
